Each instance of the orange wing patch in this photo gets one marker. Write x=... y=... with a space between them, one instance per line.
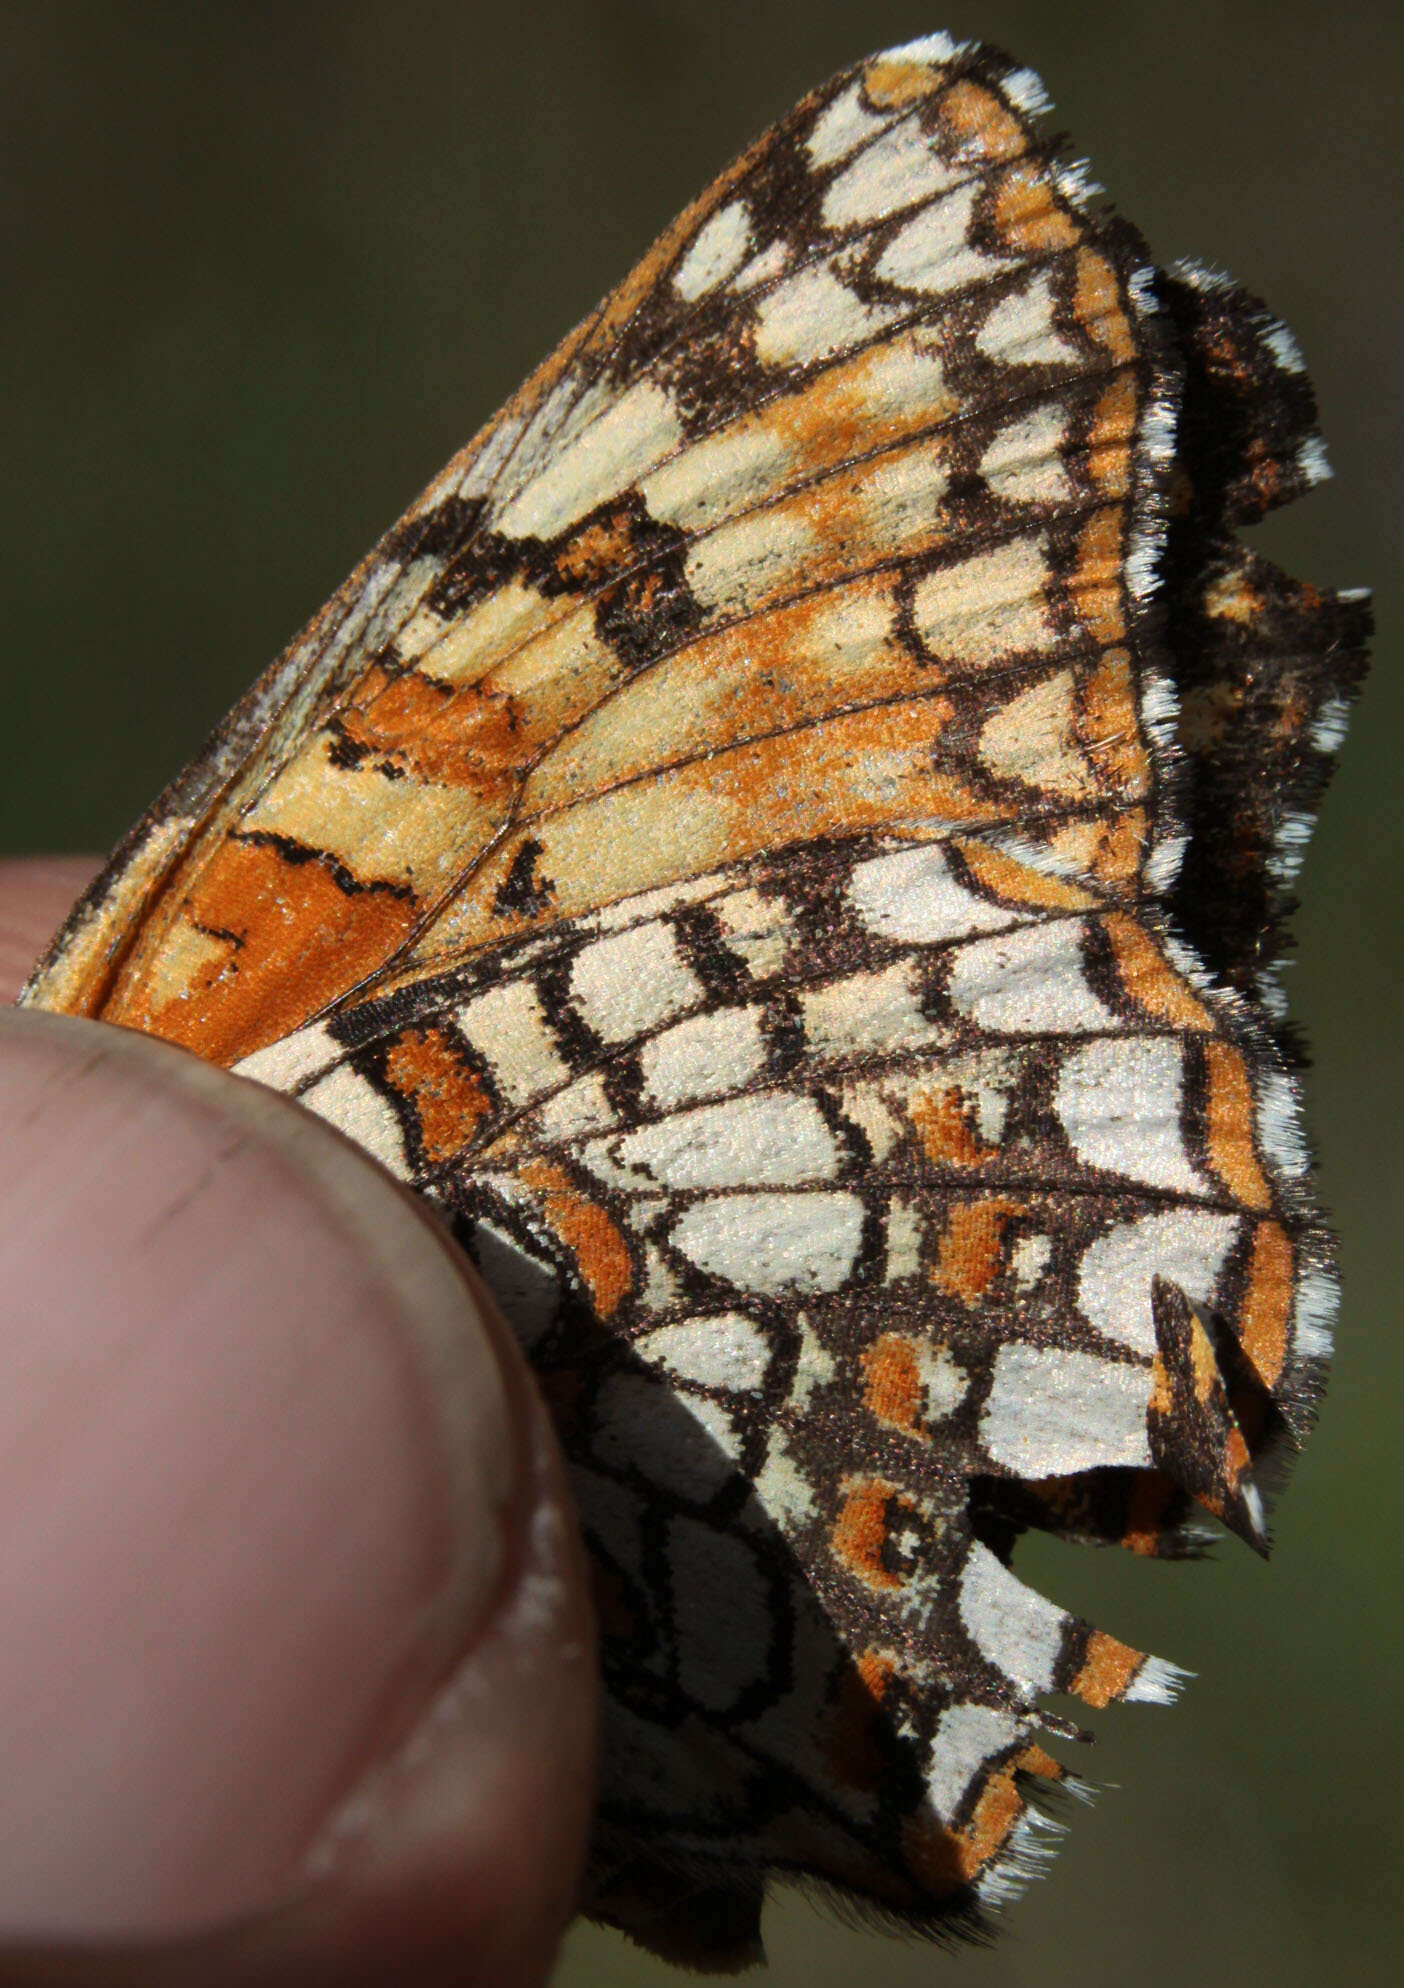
x=449 y=1100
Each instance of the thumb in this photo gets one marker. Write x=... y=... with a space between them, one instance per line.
x=297 y=1681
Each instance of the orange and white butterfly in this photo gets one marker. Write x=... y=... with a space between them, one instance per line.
x=783 y=845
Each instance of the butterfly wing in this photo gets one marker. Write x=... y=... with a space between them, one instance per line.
x=727 y=847
x=786 y=409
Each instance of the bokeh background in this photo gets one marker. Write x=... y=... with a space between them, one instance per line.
x=266 y=265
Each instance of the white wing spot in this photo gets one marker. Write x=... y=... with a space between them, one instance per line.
x=1120 y=1104
x=967 y=1740
x=1050 y=1412
x=727 y=1351
x=581 y=1107
x=1029 y=982
x=1020 y=330
x=1033 y=738
x=866 y=1014
x=632 y=982
x=354 y=1106
x=606 y=456
x=283 y=1065
x=1186 y=1246
x=1018 y=1631
x=719 y=476
x=762 y=268
x=758 y=930
x=774 y=1242
x=842 y=126
x=980 y=610
x=719 y=248
x=782 y=1489
x=774 y=1140
x=814 y=315
x=932 y=254
x=506 y=1025
x=1023 y=463
x=913 y=896
x=705 y=1056
x=894 y=172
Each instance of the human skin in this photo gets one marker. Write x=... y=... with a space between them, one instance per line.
x=298 y=1678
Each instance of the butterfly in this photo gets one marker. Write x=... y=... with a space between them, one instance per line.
x=785 y=846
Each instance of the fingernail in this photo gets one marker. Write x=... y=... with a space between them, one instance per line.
x=260 y=1465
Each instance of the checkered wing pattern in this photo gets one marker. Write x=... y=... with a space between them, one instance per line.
x=783 y=845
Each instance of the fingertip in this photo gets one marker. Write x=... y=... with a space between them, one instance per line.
x=464 y=1850
x=273 y=1483
x=36 y=894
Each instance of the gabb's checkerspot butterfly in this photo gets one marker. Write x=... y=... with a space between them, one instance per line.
x=784 y=845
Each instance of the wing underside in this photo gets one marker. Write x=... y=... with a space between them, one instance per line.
x=785 y=845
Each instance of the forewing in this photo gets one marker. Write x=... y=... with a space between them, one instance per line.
x=822 y=524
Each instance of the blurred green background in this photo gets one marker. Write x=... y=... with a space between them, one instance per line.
x=265 y=266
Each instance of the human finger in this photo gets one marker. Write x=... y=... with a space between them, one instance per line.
x=35 y=894
x=298 y=1677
